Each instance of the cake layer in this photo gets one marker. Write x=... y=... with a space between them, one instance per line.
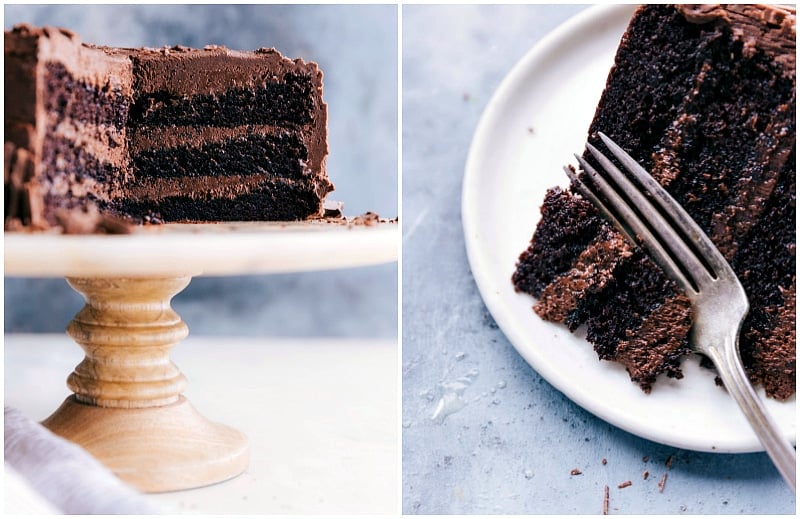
x=581 y=270
x=278 y=103
x=269 y=201
x=280 y=155
x=704 y=98
x=627 y=315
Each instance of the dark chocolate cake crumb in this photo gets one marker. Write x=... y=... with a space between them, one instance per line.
x=625 y=484
x=605 y=500
x=662 y=483
x=575 y=472
x=369 y=218
x=645 y=474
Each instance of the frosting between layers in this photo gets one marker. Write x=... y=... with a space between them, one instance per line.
x=145 y=138
x=593 y=270
x=659 y=339
x=771 y=147
x=200 y=187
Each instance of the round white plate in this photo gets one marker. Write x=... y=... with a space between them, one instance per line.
x=202 y=249
x=536 y=120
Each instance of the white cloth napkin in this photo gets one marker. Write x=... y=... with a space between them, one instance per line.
x=45 y=473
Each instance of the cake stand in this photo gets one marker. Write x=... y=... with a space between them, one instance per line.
x=127 y=407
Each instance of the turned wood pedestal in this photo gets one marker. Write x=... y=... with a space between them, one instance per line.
x=127 y=408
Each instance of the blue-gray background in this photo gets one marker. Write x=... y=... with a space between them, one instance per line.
x=511 y=448
x=356 y=47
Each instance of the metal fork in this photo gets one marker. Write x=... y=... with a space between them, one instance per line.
x=719 y=303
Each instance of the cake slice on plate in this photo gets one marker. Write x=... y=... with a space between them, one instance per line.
x=704 y=98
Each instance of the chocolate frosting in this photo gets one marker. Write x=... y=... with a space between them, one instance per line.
x=593 y=270
x=770 y=28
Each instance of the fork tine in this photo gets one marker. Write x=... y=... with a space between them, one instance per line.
x=595 y=200
x=710 y=251
x=683 y=254
x=636 y=225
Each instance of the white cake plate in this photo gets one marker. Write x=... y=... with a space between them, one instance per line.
x=127 y=407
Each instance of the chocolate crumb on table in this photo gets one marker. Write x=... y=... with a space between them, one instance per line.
x=369 y=218
x=575 y=472
x=646 y=459
x=605 y=500
x=625 y=484
x=662 y=483
x=668 y=463
x=645 y=474
x=604 y=461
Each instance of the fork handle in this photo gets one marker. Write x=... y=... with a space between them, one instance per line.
x=730 y=370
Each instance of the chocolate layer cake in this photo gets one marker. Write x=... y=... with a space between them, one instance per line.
x=704 y=98
x=97 y=135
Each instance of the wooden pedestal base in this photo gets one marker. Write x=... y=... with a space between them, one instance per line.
x=127 y=408
x=154 y=449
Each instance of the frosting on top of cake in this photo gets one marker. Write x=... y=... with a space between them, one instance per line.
x=187 y=71
x=771 y=28
x=85 y=62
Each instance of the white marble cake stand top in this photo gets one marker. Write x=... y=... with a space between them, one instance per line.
x=202 y=249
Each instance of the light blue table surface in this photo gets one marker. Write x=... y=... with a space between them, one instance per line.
x=356 y=48
x=511 y=448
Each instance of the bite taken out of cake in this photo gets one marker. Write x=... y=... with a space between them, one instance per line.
x=704 y=98
x=99 y=138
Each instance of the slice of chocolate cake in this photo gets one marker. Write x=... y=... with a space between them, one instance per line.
x=97 y=134
x=65 y=139
x=704 y=98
